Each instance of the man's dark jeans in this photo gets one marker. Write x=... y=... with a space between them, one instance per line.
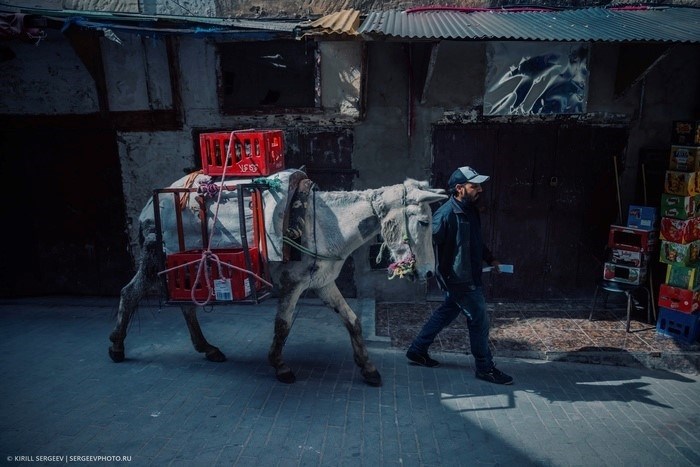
x=473 y=304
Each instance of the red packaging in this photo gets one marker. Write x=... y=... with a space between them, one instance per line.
x=629 y=238
x=679 y=299
x=680 y=230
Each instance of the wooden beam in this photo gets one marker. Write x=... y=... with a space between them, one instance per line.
x=429 y=73
x=86 y=44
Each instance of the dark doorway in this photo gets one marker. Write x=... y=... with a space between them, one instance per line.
x=64 y=215
x=549 y=204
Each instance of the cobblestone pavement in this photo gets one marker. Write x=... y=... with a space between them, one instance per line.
x=166 y=405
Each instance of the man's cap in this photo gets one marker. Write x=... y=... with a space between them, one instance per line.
x=465 y=175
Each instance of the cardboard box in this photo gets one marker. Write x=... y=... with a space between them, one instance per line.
x=679 y=207
x=686 y=277
x=624 y=274
x=631 y=238
x=681 y=183
x=629 y=258
x=684 y=254
x=642 y=217
x=686 y=132
x=680 y=230
x=679 y=299
x=680 y=326
x=685 y=158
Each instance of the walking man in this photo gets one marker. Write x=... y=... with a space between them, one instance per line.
x=460 y=256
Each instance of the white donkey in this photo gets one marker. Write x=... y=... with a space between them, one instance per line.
x=338 y=223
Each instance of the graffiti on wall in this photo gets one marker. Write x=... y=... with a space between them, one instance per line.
x=536 y=79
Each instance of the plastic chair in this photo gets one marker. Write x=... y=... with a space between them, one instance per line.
x=608 y=287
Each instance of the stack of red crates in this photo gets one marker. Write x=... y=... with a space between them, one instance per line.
x=235 y=155
x=679 y=296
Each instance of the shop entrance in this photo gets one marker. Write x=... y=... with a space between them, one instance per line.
x=549 y=204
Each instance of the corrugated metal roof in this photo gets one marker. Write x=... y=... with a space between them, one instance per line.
x=175 y=24
x=589 y=24
x=341 y=22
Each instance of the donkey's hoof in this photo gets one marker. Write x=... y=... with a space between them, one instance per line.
x=117 y=356
x=373 y=378
x=286 y=376
x=215 y=355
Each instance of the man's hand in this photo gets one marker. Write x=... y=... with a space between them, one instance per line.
x=496 y=266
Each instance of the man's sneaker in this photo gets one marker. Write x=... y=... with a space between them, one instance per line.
x=494 y=375
x=422 y=359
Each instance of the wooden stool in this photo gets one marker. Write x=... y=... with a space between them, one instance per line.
x=608 y=287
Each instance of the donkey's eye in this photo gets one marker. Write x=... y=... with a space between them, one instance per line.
x=423 y=222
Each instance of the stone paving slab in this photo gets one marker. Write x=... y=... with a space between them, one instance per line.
x=166 y=405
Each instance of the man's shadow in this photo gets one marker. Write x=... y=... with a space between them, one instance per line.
x=562 y=380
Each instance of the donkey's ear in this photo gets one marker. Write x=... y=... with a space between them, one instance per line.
x=435 y=194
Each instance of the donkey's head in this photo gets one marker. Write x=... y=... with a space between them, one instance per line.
x=406 y=225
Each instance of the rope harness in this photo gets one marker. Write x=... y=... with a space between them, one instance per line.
x=407 y=266
x=294 y=232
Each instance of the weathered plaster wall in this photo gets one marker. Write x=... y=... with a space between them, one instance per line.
x=46 y=79
x=136 y=72
x=341 y=78
x=670 y=91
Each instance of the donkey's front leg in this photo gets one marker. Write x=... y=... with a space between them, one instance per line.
x=333 y=298
x=198 y=340
x=289 y=296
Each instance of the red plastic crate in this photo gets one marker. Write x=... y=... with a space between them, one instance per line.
x=253 y=152
x=181 y=280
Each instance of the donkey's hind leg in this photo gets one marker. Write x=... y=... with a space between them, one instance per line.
x=131 y=295
x=200 y=343
x=333 y=298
